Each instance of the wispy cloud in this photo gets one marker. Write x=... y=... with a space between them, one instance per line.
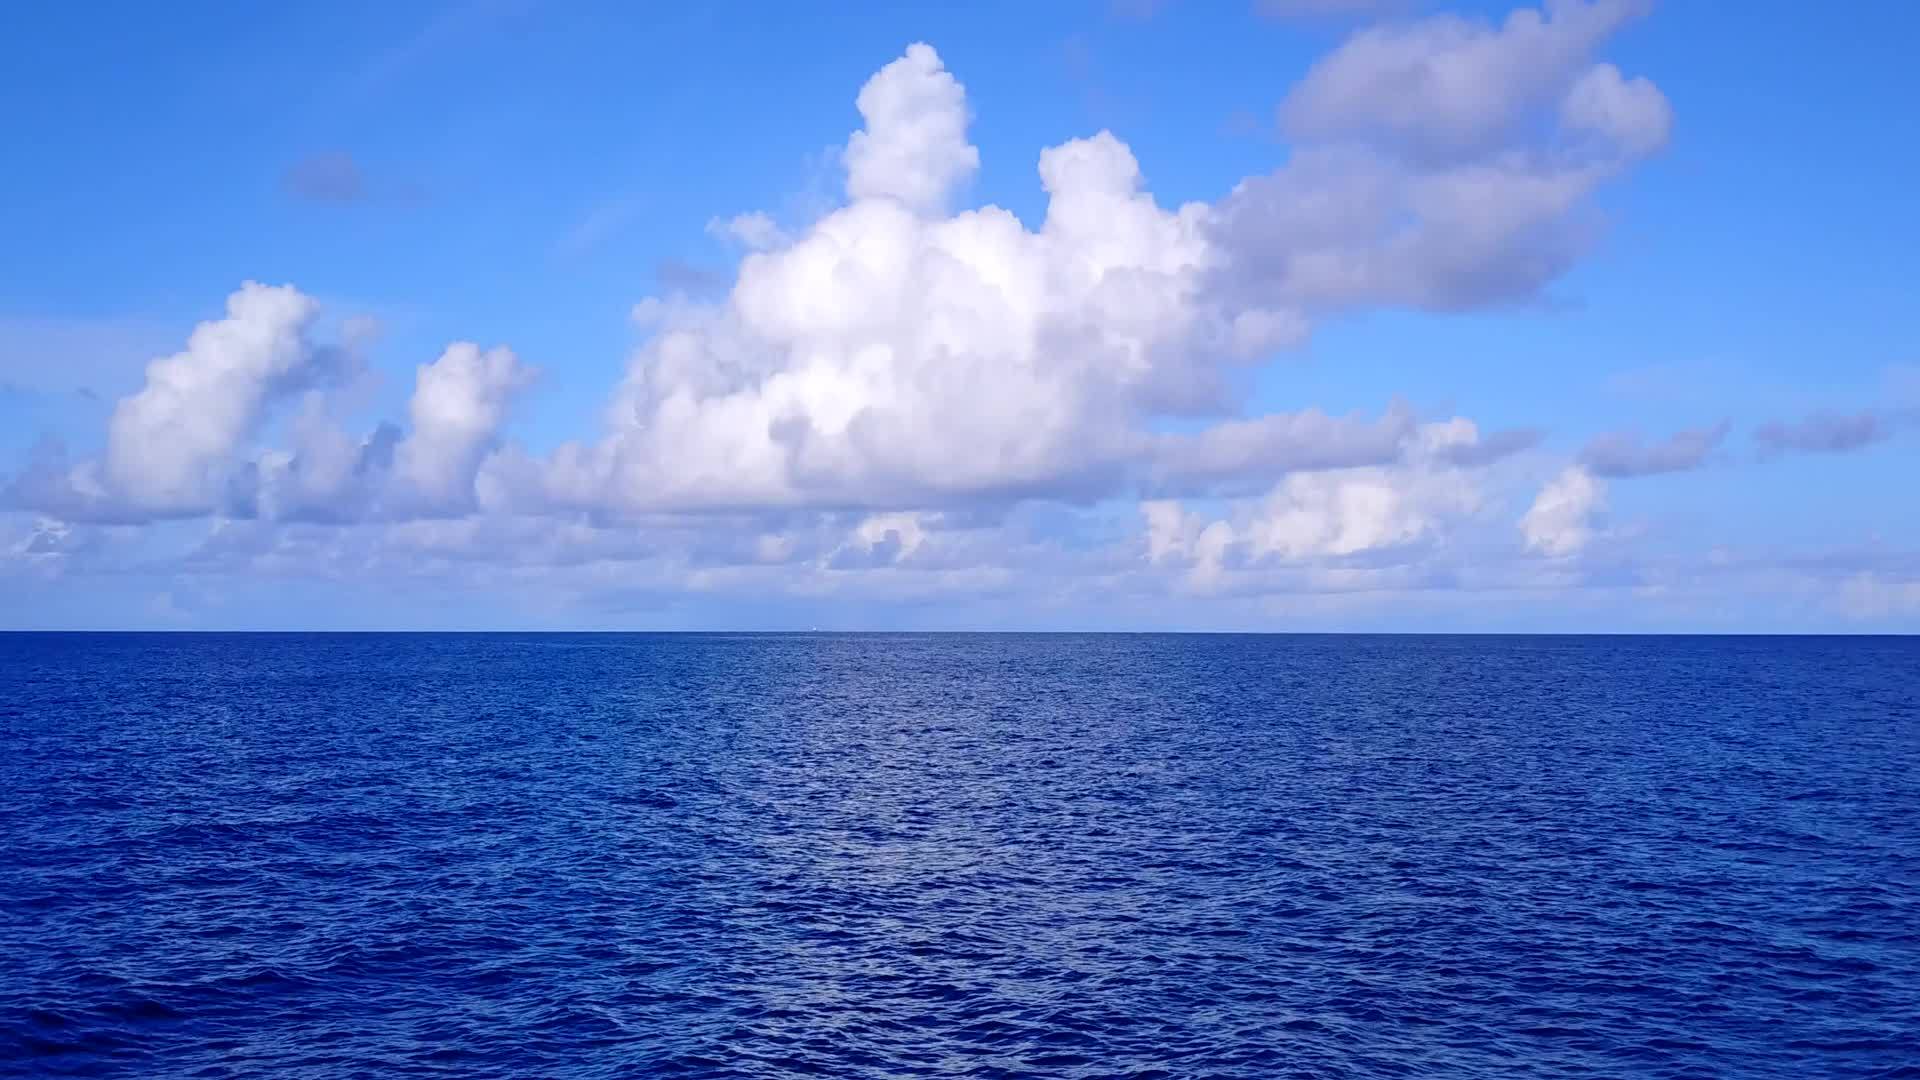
x=446 y=31
x=1829 y=432
x=332 y=177
x=338 y=179
x=600 y=224
x=1623 y=454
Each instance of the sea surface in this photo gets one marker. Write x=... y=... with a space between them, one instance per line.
x=758 y=856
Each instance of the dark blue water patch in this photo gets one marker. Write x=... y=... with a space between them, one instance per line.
x=985 y=856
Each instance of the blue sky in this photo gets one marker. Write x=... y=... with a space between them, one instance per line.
x=1601 y=305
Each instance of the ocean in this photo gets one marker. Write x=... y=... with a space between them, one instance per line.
x=757 y=856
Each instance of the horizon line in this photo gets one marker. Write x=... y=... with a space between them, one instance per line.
x=816 y=632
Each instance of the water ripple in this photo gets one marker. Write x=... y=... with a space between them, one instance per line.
x=896 y=856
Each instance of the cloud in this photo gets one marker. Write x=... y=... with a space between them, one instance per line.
x=1313 y=519
x=333 y=178
x=1311 y=515
x=1233 y=457
x=1450 y=87
x=881 y=540
x=1620 y=454
x=902 y=395
x=459 y=402
x=327 y=475
x=430 y=469
x=1871 y=596
x=182 y=445
x=602 y=222
x=880 y=388
x=755 y=231
x=1625 y=116
x=896 y=355
x=1561 y=520
x=167 y=442
x=1488 y=449
x=893 y=355
x=1827 y=432
x=1228 y=456
x=45 y=548
x=337 y=178
x=1330 y=514
x=1441 y=164
x=914 y=146
x=50 y=484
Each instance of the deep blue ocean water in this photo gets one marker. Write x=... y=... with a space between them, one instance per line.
x=324 y=856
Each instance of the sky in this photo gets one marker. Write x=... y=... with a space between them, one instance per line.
x=1248 y=315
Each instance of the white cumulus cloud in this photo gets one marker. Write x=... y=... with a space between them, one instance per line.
x=166 y=442
x=1561 y=520
x=459 y=402
x=891 y=355
x=914 y=146
x=1332 y=514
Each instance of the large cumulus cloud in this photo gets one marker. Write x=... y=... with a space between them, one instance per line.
x=875 y=374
